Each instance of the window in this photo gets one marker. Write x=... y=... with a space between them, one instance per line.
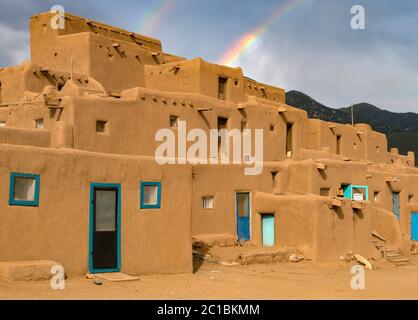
x=150 y=195
x=173 y=121
x=207 y=202
x=222 y=124
x=338 y=144
x=102 y=126
x=222 y=88
x=271 y=127
x=376 y=196
x=24 y=189
x=39 y=123
x=410 y=198
x=2 y=123
x=273 y=177
x=356 y=193
x=289 y=142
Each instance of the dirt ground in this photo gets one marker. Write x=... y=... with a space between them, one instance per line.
x=302 y=280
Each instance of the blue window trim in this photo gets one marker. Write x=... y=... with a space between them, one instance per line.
x=348 y=191
x=28 y=203
x=150 y=206
x=94 y=185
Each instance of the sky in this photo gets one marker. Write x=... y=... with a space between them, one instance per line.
x=305 y=45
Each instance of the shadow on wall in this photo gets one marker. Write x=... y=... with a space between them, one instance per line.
x=200 y=250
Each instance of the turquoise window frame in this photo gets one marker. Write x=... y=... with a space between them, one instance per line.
x=144 y=184
x=348 y=191
x=27 y=203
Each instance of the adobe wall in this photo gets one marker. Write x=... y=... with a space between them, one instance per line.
x=152 y=110
x=358 y=142
x=152 y=240
x=222 y=182
x=316 y=228
x=200 y=77
x=98 y=50
x=26 y=137
x=264 y=91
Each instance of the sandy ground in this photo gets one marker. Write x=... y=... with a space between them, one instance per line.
x=302 y=280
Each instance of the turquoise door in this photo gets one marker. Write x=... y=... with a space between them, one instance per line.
x=395 y=202
x=243 y=215
x=268 y=230
x=414 y=226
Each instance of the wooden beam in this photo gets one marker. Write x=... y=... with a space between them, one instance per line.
x=204 y=109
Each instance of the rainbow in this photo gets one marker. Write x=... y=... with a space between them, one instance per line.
x=154 y=15
x=249 y=40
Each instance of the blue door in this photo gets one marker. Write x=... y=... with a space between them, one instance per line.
x=242 y=201
x=414 y=226
x=395 y=201
x=268 y=229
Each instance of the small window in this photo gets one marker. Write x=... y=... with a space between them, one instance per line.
x=207 y=202
x=271 y=127
x=236 y=82
x=173 y=121
x=289 y=139
x=102 y=126
x=39 y=123
x=263 y=92
x=222 y=88
x=376 y=196
x=338 y=144
x=2 y=123
x=24 y=189
x=410 y=198
x=150 y=195
x=273 y=178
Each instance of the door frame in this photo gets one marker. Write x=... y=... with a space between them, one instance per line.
x=249 y=212
x=270 y=214
x=413 y=213
x=398 y=196
x=93 y=186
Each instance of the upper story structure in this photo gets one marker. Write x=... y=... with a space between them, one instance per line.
x=90 y=75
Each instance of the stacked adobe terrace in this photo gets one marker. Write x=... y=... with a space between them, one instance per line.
x=78 y=126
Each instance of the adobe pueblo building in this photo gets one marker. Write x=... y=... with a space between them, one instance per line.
x=81 y=184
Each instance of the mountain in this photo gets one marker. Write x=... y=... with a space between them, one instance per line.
x=401 y=129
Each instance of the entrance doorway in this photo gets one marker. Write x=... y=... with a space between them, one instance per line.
x=104 y=241
x=243 y=215
x=267 y=228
